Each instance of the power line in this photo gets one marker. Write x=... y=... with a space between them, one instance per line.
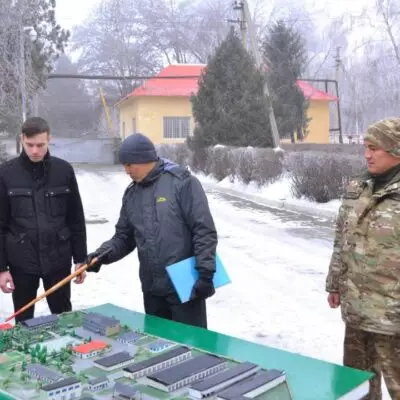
x=120 y=77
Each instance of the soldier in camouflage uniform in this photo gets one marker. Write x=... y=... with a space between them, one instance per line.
x=364 y=273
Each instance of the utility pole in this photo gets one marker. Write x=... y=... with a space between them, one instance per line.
x=259 y=63
x=239 y=7
x=22 y=70
x=338 y=63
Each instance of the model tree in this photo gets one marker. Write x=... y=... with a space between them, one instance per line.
x=26 y=347
x=24 y=376
x=6 y=383
x=42 y=358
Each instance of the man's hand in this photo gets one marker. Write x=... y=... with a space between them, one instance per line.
x=81 y=277
x=202 y=289
x=334 y=300
x=97 y=265
x=6 y=282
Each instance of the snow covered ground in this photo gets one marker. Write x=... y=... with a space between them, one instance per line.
x=277 y=261
x=277 y=195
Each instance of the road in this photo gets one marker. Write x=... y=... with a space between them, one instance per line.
x=277 y=261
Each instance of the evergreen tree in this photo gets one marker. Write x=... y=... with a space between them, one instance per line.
x=40 y=50
x=285 y=57
x=230 y=107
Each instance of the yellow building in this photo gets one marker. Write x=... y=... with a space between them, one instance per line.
x=161 y=108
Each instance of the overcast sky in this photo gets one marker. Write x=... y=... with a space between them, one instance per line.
x=71 y=12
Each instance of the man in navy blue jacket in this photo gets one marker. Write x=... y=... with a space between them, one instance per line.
x=166 y=216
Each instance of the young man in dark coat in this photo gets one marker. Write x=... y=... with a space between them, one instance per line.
x=42 y=223
x=165 y=215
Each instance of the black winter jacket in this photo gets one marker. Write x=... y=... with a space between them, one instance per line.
x=167 y=217
x=42 y=223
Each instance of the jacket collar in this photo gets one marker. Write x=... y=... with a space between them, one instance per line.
x=154 y=174
x=36 y=167
x=388 y=183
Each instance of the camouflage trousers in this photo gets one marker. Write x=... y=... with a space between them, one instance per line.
x=377 y=353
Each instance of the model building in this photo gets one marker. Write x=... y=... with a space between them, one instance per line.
x=86 y=355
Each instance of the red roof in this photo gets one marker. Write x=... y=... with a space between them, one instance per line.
x=185 y=87
x=5 y=327
x=89 y=347
x=312 y=93
x=172 y=87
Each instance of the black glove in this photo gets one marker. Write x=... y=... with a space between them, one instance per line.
x=102 y=258
x=202 y=289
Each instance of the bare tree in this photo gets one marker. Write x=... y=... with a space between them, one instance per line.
x=66 y=103
x=389 y=13
x=112 y=41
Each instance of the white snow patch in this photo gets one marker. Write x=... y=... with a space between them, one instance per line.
x=277 y=194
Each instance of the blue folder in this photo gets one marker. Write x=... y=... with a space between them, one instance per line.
x=183 y=275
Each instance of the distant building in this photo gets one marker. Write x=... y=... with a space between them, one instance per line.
x=88 y=350
x=253 y=386
x=186 y=373
x=130 y=337
x=45 y=322
x=209 y=386
x=160 y=345
x=161 y=108
x=66 y=389
x=124 y=392
x=117 y=360
x=99 y=384
x=100 y=324
x=157 y=363
x=43 y=374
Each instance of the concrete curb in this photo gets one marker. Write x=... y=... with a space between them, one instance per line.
x=278 y=204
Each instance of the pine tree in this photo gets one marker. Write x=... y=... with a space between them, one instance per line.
x=285 y=57
x=230 y=107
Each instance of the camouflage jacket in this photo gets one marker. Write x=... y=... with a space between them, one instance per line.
x=365 y=264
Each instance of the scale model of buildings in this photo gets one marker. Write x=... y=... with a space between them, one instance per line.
x=86 y=355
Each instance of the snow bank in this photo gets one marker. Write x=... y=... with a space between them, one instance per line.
x=275 y=195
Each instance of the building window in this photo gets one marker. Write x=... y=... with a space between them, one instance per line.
x=176 y=128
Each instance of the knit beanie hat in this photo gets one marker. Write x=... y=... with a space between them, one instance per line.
x=137 y=149
x=386 y=135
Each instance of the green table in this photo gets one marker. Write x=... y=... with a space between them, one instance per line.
x=308 y=378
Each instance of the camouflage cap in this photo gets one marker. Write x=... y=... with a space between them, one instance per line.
x=386 y=135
